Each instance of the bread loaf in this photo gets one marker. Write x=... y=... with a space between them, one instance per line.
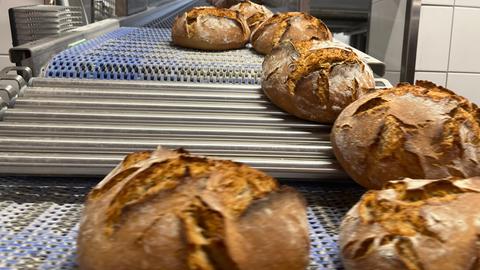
x=293 y=26
x=414 y=225
x=314 y=80
x=169 y=210
x=211 y=29
x=253 y=13
x=418 y=131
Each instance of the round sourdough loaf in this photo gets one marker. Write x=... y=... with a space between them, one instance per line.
x=293 y=26
x=414 y=225
x=253 y=13
x=211 y=29
x=418 y=131
x=169 y=210
x=314 y=80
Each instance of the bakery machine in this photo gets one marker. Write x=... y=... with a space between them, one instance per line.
x=118 y=86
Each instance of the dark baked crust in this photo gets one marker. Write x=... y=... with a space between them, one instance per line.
x=210 y=28
x=421 y=131
x=295 y=26
x=254 y=13
x=314 y=80
x=414 y=225
x=171 y=210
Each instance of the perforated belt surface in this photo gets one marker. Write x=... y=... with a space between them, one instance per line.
x=147 y=54
x=39 y=221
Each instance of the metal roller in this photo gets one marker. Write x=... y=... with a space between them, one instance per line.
x=158 y=118
x=100 y=164
x=141 y=105
x=160 y=132
x=85 y=127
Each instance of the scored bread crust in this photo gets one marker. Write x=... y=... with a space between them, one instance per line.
x=418 y=131
x=210 y=28
x=314 y=80
x=172 y=210
x=295 y=26
x=253 y=13
x=414 y=225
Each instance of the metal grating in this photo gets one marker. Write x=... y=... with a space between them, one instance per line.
x=30 y=23
x=147 y=54
x=39 y=221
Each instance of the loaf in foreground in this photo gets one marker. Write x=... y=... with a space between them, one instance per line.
x=294 y=26
x=211 y=29
x=314 y=80
x=170 y=210
x=418 y=131
x=414 y=225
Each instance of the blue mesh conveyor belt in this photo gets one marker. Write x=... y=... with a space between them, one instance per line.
x=147 y=54
x=39 y=221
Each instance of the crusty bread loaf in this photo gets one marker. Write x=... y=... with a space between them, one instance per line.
x=293 y=26
x=210 y=28
x=314 y=80
x=422 y=131
x=169 y=210
x=253 y=13
x=414 y=225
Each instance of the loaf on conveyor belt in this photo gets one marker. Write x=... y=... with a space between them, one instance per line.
x=82 y=119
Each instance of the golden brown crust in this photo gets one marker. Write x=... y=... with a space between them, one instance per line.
x=314 y=80
x=194 y=13
x=421 y=131
x=414 y=225
x=253 y=13
x=294 y=26
x=210 y=28
x=315 y=60
x=171 y=203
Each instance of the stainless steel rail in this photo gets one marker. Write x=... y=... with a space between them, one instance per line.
x=410 y=40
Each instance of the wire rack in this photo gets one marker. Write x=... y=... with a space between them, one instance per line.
x=147 y=54
x=39 y=221
x=31 y=23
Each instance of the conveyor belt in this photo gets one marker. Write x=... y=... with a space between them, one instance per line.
x=147 y=54
x=84 y=127
x=39 y=221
